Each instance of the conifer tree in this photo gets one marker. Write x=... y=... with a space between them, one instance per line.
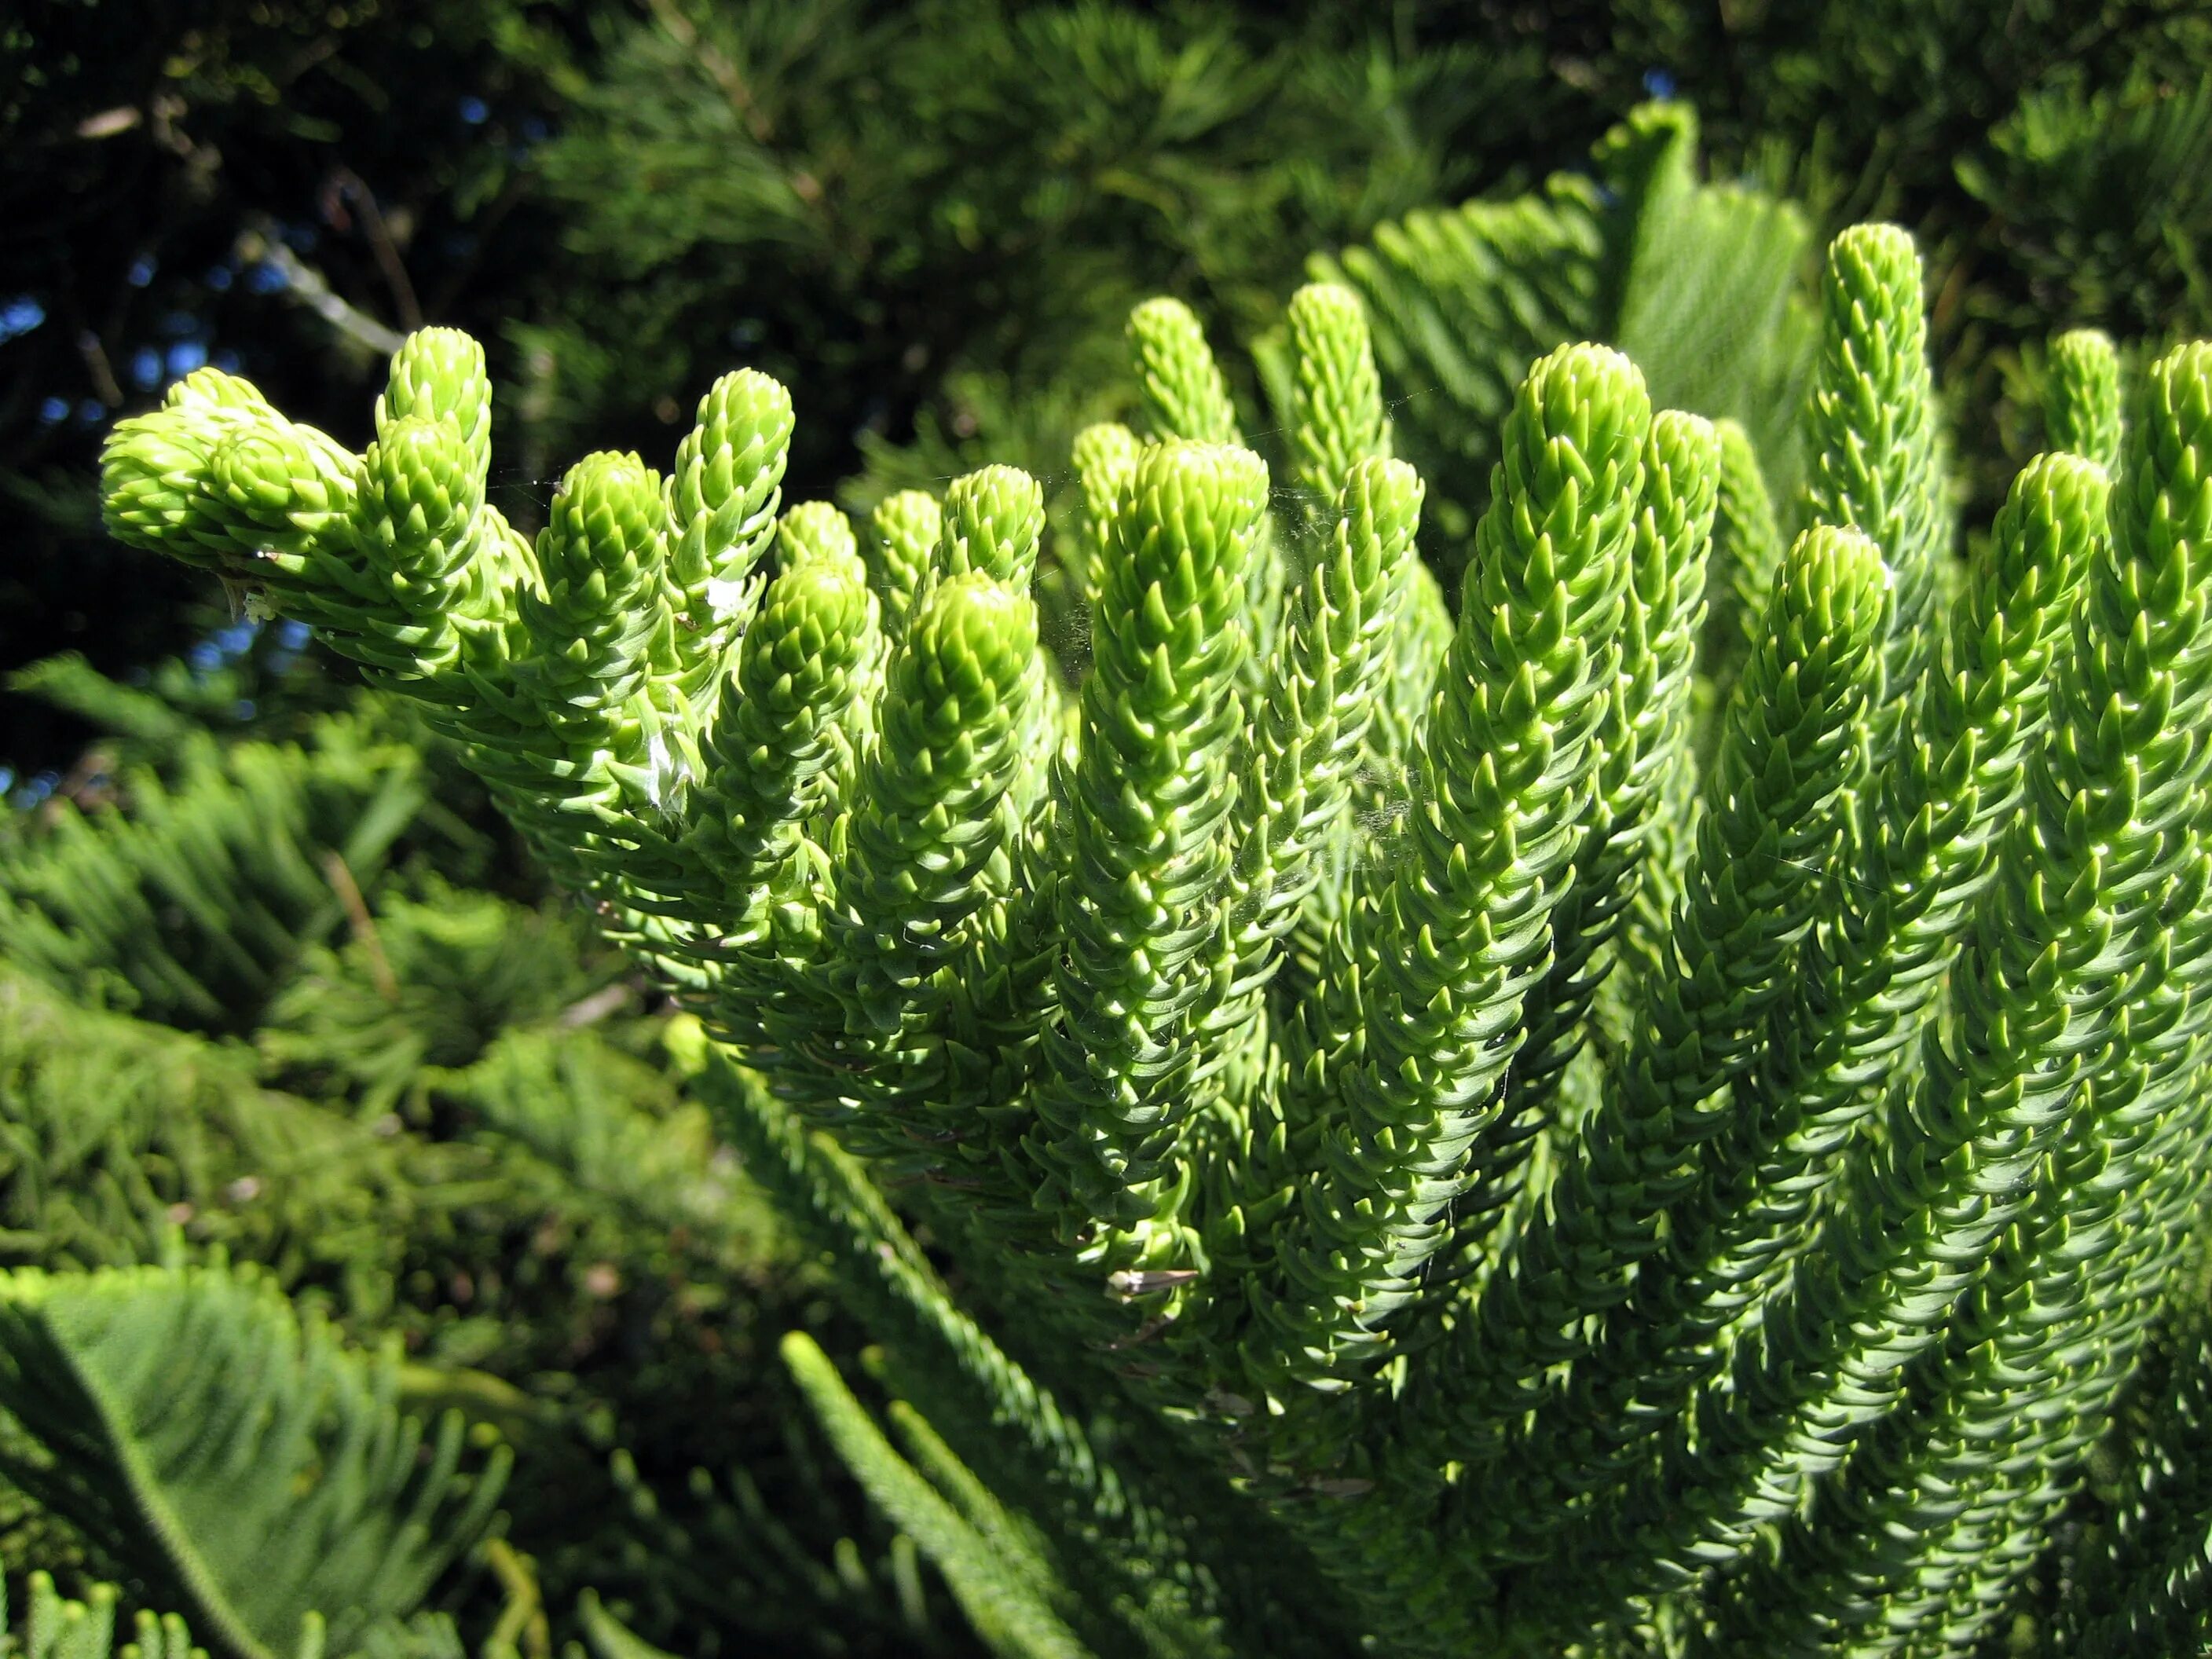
x=1296 y=1148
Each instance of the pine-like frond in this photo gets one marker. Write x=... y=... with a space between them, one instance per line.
x=56 y=1626
x=1407 y=1101
x=1012 y=1613
x=233 y=1451
x=838 y=1212
x=1697 y=282
x=194 y=899
x=2081 y=398
x=111 y=1129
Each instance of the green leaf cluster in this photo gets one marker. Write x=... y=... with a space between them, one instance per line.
x=1645 y=1191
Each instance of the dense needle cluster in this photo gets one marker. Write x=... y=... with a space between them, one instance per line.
x=1595 y=1125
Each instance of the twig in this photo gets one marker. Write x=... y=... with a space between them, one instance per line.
x=363 y=925
x=312 y=290
x=110 y=122
x=522 y=1621
x=595 y=1007
x=104 y=383
x=380 y=243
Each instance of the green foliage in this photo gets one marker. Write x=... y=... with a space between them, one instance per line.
x=445 y=973
x=2102 y=186
x=937 y=217
x=999 y=1591
x=1697 y=282
x=2046 y=156
x=946 y=212
x=1670 y=1203
x=451 y=1128
x=1867 y=982
x=190 y=1420
x=228 y=182
x=56 y=1627
x=1159 y=1579
x=191 y=907
x=118 y=1129
x=2082 y=403
x=1748 y=546
x=2143 y=1586
x=887 y=936
x=1507 y=760
x=1875 y=467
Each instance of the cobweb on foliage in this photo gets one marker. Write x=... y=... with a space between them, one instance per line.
x=1383 y=827
x=523 y=495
